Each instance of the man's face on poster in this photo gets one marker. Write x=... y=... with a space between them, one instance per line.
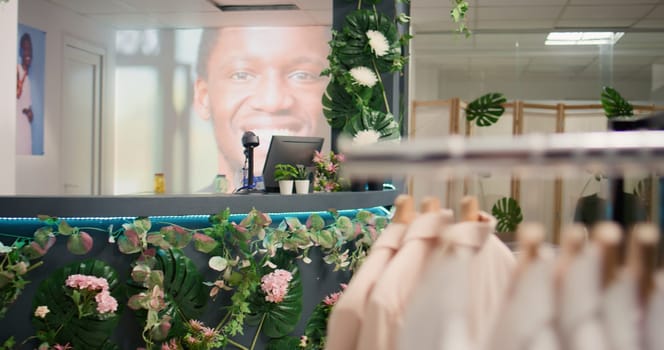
x=26 y=54
x=265 y=80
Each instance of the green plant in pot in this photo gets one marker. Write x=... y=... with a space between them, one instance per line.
x=285 y=174
x=302 y=179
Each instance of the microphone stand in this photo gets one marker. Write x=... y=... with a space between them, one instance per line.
x=249 y=188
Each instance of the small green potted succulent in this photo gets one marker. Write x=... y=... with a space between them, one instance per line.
x=302 y=179
x=285 y=174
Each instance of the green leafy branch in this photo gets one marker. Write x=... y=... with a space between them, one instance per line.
x=458 y=14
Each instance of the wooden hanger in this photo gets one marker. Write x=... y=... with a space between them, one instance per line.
x=470 y=209
x=608 y=236
x=642 y=258
x=529 y=237
x=404 y=212
x=430 y=204
x=573 y=239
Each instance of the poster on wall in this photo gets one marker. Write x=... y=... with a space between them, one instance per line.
x=30 y=91
x=205 y=88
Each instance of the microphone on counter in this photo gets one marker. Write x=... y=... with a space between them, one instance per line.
x=250 y=141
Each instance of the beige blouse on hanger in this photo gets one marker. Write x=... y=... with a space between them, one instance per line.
x=463 y=286
x=346 y=319
x=386 y=304
x=526 y=321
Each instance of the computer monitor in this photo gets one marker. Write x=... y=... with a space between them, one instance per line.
x=288 y=150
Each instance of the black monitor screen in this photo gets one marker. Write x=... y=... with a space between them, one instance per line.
x=288 y=150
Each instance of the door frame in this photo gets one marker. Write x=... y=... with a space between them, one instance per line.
x=100 y=122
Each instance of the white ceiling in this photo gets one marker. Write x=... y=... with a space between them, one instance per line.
x=508 y=33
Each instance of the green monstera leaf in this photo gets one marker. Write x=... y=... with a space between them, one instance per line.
x=81 y=333
x=338 y=105
x=508 y=213
x=381 y=122
x=184 y=291
x=283 y=343
x=279 y=319
x=614 y=104
x=486 y=110
x=316 y=328
x=352 y=43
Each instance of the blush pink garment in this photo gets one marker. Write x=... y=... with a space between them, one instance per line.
x=455 y=305
x=579 y=304
x=654 y=337
x=343 y=326
x=391 y=294
x=526 y=319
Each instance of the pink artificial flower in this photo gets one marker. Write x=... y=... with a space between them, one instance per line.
x=196 y=325
x=79 y=281
x=318 y=157
x=329 y=187
x=191 y=340
x=172 y=345
x=340 y=158
x=332 y=168
x=105 y=302
x=62 y=347
x=209 y=333
x=275 y=285
x=332 y=299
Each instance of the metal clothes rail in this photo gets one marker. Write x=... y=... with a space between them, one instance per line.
x=556 y=154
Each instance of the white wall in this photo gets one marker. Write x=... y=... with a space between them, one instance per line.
x=8 y=32
x=41 y=174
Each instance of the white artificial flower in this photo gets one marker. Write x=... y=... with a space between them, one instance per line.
x=366 y=137
x=364 y=76
x=378 y=43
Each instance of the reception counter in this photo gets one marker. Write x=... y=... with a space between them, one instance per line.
x=165 y=205
x=101 y=215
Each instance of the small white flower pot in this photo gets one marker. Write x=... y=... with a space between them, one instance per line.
x=286 y=187
x=302 y=186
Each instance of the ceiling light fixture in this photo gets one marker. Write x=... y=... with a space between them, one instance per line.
x=268 y=7
x=583 y=38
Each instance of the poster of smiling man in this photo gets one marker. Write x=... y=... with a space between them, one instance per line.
x=30 y=91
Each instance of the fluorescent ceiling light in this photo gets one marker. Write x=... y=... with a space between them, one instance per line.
x=583 y=38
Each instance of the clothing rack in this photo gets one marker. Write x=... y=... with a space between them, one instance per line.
x=612 y=152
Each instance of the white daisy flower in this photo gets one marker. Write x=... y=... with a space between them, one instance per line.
x=378 y=43
x=366 y=137
x=364 y=76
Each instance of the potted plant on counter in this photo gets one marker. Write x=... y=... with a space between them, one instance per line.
x=301 y=179
x=285 y=174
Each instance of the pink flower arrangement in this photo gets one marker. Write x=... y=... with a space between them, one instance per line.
x=88 y=288
x=275 y=285
x=327 y=171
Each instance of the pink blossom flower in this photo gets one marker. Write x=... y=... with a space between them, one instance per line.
x=41 y=311
x=329 y=187
x=105 y=302
x=332 y=299
x=79 y=281
x=340 y=158
x=332 y=168
x=191 y=340
x=62 y=347
x=318 y=157
x=275 y=285
x=196 y=325
x=172 y=345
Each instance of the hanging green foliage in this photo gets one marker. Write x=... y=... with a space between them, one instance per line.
x=614 y=104
x=508 y=213
x=486 y=110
